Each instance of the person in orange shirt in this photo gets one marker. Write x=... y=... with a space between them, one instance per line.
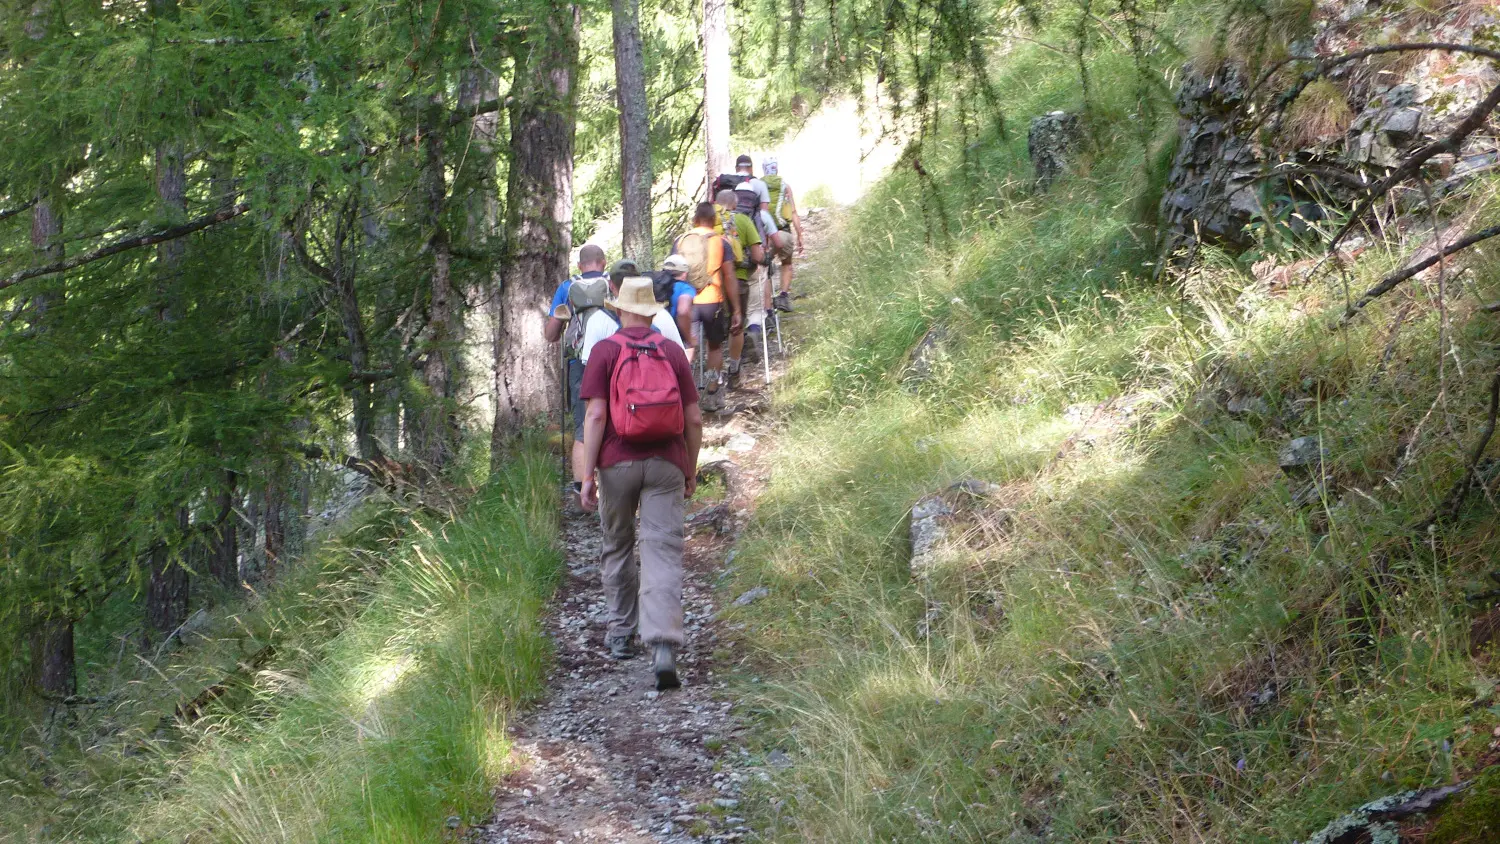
x=717 y=306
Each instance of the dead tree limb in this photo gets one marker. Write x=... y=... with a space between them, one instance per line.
x=126 y=245
x=1390 y=282
x=1451 y=143
x=1453 y=502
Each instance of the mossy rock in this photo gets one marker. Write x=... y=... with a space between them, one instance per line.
x=1475 y=817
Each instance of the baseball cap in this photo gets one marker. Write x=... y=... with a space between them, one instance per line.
x=623 y=268
x=675 y=264
x=743 y=161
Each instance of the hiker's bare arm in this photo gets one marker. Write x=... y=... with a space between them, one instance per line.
x=684 y=314
x=552 y=329
x=758 y=253
x=693 y=433
x=790 y=207
x=593 y=439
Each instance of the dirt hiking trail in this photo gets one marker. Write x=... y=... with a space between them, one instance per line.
x=605 y=757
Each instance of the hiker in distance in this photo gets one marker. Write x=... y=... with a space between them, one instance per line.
x=568 y=303
x=641 y=433
x=674 y=291
x=745 y=243
x=784 y=216
x=716 y=307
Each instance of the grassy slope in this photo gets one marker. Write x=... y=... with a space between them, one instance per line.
x=401 y=647
x=1161 y=647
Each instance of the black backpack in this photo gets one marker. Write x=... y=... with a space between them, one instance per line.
x=661 y=285
x=727 y=181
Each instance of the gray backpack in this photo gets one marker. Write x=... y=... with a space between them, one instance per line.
x=585 y=296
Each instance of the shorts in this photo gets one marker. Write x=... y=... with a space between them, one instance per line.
x=782 y=245
x=715 y=319
x=576 y=405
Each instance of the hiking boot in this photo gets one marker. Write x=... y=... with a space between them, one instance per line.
x=782 y=302
x=664 y=663
x=712 y=400
x=619 y=647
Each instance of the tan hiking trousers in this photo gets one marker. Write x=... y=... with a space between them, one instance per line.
x=647 y=597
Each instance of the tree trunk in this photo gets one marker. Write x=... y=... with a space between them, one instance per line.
x=716 y=90
x=635 y=128
x=52 y=652
x=273 y=509
x=481 y=235
x=539 y=224
x=436 y=437
x=224 y=551
x=167 y=590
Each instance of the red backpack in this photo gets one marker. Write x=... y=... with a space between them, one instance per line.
x=645 y=403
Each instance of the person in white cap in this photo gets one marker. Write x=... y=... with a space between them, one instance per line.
x=646 y=459
x=680 y=300
x=783 y=210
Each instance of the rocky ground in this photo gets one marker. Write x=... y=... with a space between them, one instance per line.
x=607 y=758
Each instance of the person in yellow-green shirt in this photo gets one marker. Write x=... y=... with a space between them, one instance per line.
x=752 y=256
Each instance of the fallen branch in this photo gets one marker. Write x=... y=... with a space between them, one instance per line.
x=192 y=710
x=1448 y=510
x=126 y=245
x=1357 y=825
x=382 y=470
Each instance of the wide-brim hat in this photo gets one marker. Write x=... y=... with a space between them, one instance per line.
x=637 y=295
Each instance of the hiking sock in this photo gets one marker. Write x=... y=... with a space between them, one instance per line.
x=732 y=366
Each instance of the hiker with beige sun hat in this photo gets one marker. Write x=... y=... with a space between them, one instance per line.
x=641 y=433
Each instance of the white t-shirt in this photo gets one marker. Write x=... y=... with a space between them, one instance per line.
x=601 y=325
x=762 y=193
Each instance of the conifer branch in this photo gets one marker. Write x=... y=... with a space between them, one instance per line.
x=7 y=213
x=126 y=245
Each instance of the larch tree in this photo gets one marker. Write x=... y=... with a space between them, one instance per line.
x=539 y=210
x=635 y=133
x=716 y=90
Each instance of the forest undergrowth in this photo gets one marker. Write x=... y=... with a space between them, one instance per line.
x=363 y=697
x=1155 y=634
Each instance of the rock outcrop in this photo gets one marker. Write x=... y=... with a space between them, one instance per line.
x=1243 y=158
x=1051 y=142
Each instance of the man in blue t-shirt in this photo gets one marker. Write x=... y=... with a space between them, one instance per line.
x=590 y=265
x=680 y=305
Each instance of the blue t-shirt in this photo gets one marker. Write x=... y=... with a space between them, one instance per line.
x=560 y=298
x=679 y=290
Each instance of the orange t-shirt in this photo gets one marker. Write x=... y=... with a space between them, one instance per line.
x=714 y=292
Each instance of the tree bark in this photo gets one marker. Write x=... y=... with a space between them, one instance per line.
x=635 y=128
x=481 y=235
x=224 y=551
x=539 y=230
x=56 y=672
x=273 y=507
x=716 y=90
x=436 y=435
x=167 y=590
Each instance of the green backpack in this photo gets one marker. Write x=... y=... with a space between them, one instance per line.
x=777 y=188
